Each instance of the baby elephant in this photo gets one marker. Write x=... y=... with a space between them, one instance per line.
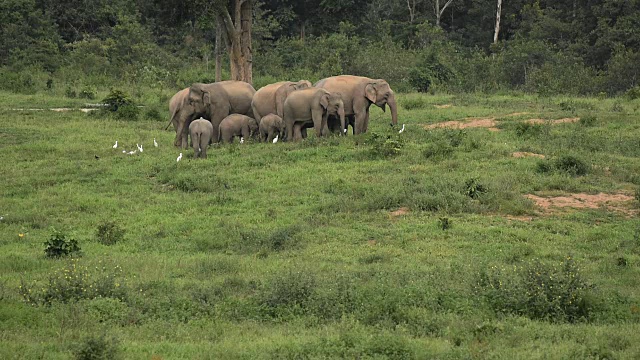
x=271 y=126
x=201 y=131
x=237 y=125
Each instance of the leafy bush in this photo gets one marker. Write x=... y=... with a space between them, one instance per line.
x=20 y=82
x=127 y=112
x=288 y=293
x=117 y=99
x=70 y=92
x=473 y=189
x=445 y=223
x=528 y=129
x=98 y=348
x=109 y=233
x=437 y=150
x=412 y=103
x=633 y=93
x=153 y=113
x=59 y=245
x=382 y=147
x=87 y=92
x=75 y=282
x=588 y=120
x=538 y=291
x=566 y=163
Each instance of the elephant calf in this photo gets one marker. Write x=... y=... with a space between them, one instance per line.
x=271 y=126
x=201 y=132
x=311 y=107
x=237 y=125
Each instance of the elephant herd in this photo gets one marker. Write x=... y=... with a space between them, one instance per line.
x=223 y=110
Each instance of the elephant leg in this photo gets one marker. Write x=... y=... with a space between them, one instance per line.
x=195 y=144
x=204 y=143
x=216 y=119
x=303 y=132
x=246 y=134
x=270 y=136
x=352 y=122
x=359 y=119
x=366 y=121
x=319 y=118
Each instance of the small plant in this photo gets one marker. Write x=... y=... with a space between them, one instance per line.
x=97 y=348
x=70 y=93
x=413 y=103
x=385 y=147
x=287 y=293
x=445 y=223
x=588 y=120
x=59 y=245
x=117 y=99
x=567 y=106
x=109 y=233
x=571 y=165
x=87 y=93
x=75 y=282
x=636 y=195
x=153 y=114
x=528 y=129
x=617 y=107
x=633 y=93
x=473 y=188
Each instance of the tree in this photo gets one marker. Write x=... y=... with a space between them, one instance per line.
x=440 y=10
x=238 y=35
x=495 y=34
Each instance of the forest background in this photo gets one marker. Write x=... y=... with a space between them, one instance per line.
x=587 y=47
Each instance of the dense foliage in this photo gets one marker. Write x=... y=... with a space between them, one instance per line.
x=566 y=46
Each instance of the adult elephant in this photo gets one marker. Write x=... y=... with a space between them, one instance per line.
x=214 y=102
x=270 y=99
x=358 y=93
x=307 y=107
x=180 y=111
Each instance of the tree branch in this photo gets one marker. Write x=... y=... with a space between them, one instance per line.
x=445 y=6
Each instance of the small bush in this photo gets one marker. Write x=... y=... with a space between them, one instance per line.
x=528 y=129
x=70 y=93
x=76 y=282
x=445 y=223
x=109 y=233
x=87 y=92
x=288 y=293
x=437 y=150
x=98 y=348
x=117 y=99
x=588 y=120
x=413 y=103
x=153 y=114
x=539 y=291
x=59 y=245
x=127 y=112
x=384 y=147
x=617 y=107
x=571 y=165
x=473 y=189
x=633 y=93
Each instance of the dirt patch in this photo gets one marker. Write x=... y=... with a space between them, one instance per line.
x=519 y=218
x=467 y=123
x=553 y=122
x=445 y=106
x=517 y=114
x=527 y=154
x=615 y=202
x=400 y=212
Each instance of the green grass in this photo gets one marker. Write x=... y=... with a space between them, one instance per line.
x=289 y=250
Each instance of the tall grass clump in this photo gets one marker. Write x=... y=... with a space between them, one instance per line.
x=567 y=164
x=288 y=293
x=60 y=245
x=98 y=348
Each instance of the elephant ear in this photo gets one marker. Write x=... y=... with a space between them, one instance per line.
x=206 y=98
x=370 y=92
x=324 y=101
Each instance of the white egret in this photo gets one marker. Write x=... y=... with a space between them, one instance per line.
x=115 y=146
x=179 y=157
x=275 y=139
x=241 y=140
x=401 y=130
x=155 y=143
x=139 y=147
x=133 y=152
x=124 y=151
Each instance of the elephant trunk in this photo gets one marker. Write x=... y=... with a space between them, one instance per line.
x=342 y=120
x=394 y=109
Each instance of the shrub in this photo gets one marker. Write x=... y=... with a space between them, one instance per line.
x=87 y=93
x=588 y=120
x=445 y=223
x=473 y=189
x=633 y=93
x=412 y=103
x=571 y=165
x=153 y=114
x=538 y=291
x=287 y=293
x=528 y=129
x=109 y=233
x=117 y=99
x=70 y=93
x=98 y=348
x=437 y=150
x=75 y=282
x=59 y=245
x=382 y=147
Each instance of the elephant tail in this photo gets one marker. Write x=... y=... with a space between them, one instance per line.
x=173 y=115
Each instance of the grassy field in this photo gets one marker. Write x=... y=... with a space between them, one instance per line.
x=385 y=245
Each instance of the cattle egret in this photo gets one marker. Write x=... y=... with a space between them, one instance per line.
x=275 y=139
x=115 y=146
x=241 y=140
x=345 y=131
x=133 y=152
x=179 y=157
x=124 y=151
x=155 y=143
x=139 y=147
x=401 y=130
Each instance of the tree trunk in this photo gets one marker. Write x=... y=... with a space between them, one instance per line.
x=238 y=34
x=439 y=11
x=495 y=34
x=218 y=51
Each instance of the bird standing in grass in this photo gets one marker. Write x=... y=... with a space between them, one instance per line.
x=133 y=152
x=139 y=147
x=179 y=157
x=401 y=130
x=275 y=139
x=155 y=143
x=241 y=140
x=115 y=146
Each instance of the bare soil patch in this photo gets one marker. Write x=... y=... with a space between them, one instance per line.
x=614 y=202
x=553 y=122
x=527 y=154
x=400 y=212
x=444 y=106
x=467 y=123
